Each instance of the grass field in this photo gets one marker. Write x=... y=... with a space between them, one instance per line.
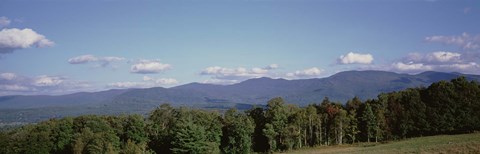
x=465 y=143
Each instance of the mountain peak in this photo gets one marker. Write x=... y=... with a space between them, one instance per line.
x=261 y=80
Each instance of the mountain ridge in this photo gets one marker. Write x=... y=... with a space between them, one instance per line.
x=339 y=87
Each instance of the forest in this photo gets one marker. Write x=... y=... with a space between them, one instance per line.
x=445 y=107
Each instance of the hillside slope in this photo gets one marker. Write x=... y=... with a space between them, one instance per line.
x=339 y=87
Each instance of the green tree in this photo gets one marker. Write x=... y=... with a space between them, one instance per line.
x=370 y=120
x=312 y=122
x=91 y=142
x=134 y=126
x=94 y=135
x=159 y=125
x=341 y=124
x=276 y=116
x=62 y=135
x=352 y=126
x=260 y=141
x=271 y=135
x=237 y=131
x=189 y=137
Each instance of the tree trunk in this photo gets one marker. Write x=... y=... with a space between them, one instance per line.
x=310 y=130
x=340 y=137
x=305 y=137
x=300 y=137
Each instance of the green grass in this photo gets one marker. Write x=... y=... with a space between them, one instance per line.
x=464 y=143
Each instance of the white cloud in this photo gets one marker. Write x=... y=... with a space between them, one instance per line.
x=438 y=61
x=149 y=67
x=82 y=59
x=471 y=68
x=271 y=66
x=103 y=61
x=111 y=59
x=235 y=73
x=411 y=67
x=220 y=81
x=257 y=70
x=223 y=75
x=13 y=39
x=442 y=56
x=13 y=84
x=465 y=67
x=4 y=21
x=47 y=81
x=306 y=73
x=355 y=58
x=438 y=57
x=14 y=87
x=127 y=85
x=148 y=82
x=160 y=81
x=8 y=76
x=465 y=41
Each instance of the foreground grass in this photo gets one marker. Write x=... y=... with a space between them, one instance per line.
x=465 y=143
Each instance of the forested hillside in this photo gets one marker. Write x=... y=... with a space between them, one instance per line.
x=258 y=91
x=445 y=107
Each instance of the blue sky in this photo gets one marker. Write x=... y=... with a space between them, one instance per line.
x=57 y=47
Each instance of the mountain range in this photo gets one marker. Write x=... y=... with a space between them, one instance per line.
x=338 y=87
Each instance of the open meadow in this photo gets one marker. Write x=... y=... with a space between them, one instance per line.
x=464 y=143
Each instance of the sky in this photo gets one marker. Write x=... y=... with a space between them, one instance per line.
x=53 y=47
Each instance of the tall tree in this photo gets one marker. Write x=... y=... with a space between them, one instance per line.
x=352 y=126
x=276 y=118
x=189 y=137
x=341 y=123
x=161 y=122
x=237 y=131
x=312 y=123
x=260 y=141
x=370 y=121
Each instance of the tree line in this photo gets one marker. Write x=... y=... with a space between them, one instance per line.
x=445 y=107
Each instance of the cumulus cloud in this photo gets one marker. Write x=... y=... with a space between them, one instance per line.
x=123 y=85
x=160 y=81
x=14 y=87
x=306 y=73
x=237 y=73
x=470 y=68
x=149 y=67
x=102 y=61
x=82 y=59
x=14 y=84
x=13 y=39
x=437 y=61
x=411 y=67
x=220 y=81
x=442 y=56
x=272 y=66
x=355 y=58
x=8 y=76
x=47 y=81
x=148 y=82
x=437 y=57
x=465 y=41
x=4 y=21
x=224 y=75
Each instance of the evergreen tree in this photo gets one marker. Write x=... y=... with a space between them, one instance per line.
x=237 y=132
x=370 y=120
x=276 y=118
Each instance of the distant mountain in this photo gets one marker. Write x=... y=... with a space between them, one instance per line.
x=339 y=87
x=76 y=99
